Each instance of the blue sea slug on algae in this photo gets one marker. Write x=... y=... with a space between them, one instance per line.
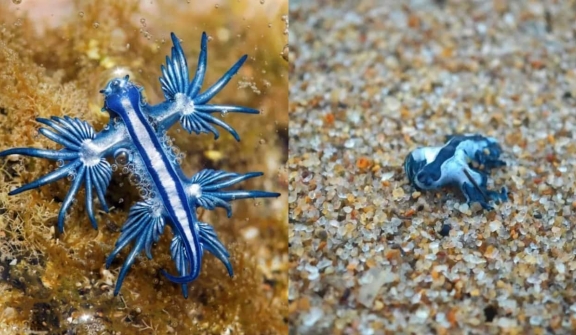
x=136 y=138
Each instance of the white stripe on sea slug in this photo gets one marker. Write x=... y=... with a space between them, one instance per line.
x=168 y=184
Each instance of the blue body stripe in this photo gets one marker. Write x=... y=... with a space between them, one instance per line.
x=134 y=99
x=85 y=153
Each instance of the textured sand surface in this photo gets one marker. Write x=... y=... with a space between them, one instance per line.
x=372 y=81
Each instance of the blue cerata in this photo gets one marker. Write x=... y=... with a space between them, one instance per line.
x=136 y=135
x=430 y=168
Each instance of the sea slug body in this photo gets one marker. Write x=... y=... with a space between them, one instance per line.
x=430 y=168
x=136 y=135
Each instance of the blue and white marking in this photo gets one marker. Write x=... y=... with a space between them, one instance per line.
x=137 y=129
x=431 y=168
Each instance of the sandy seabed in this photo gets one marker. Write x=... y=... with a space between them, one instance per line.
x=371 y=81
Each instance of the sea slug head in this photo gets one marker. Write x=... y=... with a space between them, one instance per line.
x=428 y=177
x=412 y=165
x=117 y=91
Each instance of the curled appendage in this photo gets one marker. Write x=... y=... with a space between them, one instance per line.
x=180 y=258
x=79 y=162
x=205 y=189
x=475 y=189
x=473 y=194
x=195 y=113
x=145 y=224
x=209 y=242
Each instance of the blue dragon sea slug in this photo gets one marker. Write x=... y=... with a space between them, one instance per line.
x=136 y=135
x=430 y=168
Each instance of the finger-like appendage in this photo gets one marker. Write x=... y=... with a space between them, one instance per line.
x=89 y=204
x=237 y=195
x=101 y=176
x=175 y=74
x=194 y=123
x=205 y=189
x=48 y=178
x=127 y=264
x=212 y=244
x=41 y=153
x=225 y=109
x=58 y=139
x=145 y=224
x=219 y=85
x=69 y=197
x=210 y=202
x=234 y=180
x=63 y=131
x=209 y=118
x=198 y=80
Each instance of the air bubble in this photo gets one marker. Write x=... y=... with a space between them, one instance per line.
x=59 y=163
x=143 y=22
x=96 y=25
x=122 y=158
x=135 y=179
x=81 y=14
x=121 y=200
x=16 y=2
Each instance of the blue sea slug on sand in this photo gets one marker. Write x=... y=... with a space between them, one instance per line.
x=136 y=135
x=430 y=168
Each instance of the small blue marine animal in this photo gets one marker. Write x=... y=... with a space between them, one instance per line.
x=430 y=168
x=136 y=136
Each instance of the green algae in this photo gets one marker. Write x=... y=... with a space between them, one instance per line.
x=53 y=283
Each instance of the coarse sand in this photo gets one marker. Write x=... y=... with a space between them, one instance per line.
x=371 y=81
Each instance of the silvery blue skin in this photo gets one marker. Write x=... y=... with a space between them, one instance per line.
x=136 y=133
x=430 y=168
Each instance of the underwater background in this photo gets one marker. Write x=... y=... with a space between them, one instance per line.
x=54 y=58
